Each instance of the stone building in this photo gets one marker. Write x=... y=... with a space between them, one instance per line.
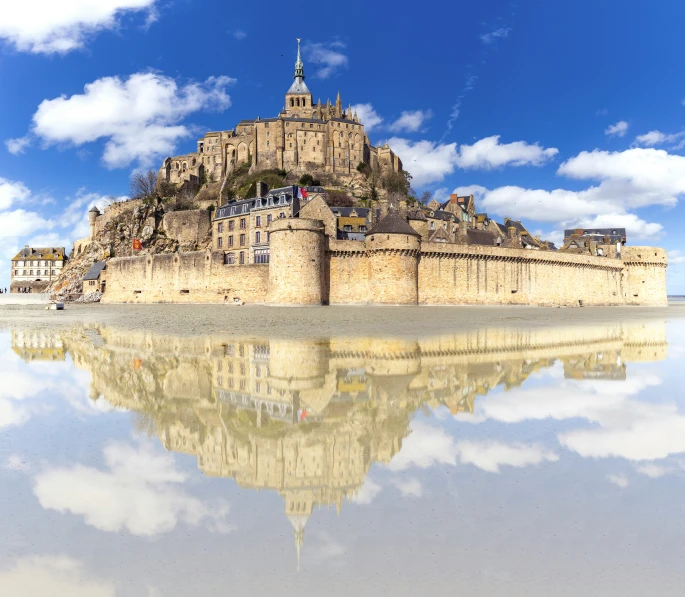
x=304 y=137
x=35 y=268
x=602 y=242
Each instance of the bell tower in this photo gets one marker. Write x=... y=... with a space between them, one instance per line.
x=298 y=99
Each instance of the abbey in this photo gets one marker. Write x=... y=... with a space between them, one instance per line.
x=304 y=137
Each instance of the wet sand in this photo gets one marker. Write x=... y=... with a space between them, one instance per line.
x=313 y=322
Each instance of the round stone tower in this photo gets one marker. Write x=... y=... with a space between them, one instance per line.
x=296 y=274
x=393 y=249
x=644 y=276
x=93 y=215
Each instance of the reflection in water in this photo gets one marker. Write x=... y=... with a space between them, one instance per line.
x=308 y=418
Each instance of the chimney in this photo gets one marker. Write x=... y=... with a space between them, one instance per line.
x=384 y=208
x=262 y=189
x=463 y=227
x=512 y=232
x=607 y=239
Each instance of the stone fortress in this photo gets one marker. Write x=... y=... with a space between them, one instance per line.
x=305 y=137
x=308 y=418
x=288 y=246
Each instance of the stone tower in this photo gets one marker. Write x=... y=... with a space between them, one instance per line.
x=298 y=97
x=393 y=248
x=296 y=262
x=93 y=215
x=644 y=276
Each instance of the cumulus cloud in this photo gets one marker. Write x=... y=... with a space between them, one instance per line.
x=52 y=575
x=18 y=146
x=49 y=27
x=411 y=121
x=326 y=58
x=618 y=480
x=137 y=117
x=675 y=257
x=658 y=138
x=492 y=36
x=430 y=162
x=617 y=130
x=367 y=493
x=489 y=153
x=141 y=491
x=368 y=116
x=11 y=192
x=428 y=446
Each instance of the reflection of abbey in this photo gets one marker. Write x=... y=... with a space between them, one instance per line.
x=308 y=418
x=305 y=136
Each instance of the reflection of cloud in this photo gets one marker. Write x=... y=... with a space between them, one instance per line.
x=367 y=493
x=139 y=492
x=16 y=463
x=409 y=487
x=323 y=548
x=56 y=576
x=427 y=446
x=618 y=480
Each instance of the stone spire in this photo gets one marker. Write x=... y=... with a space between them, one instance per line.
x=338 y=106
x=299 y=65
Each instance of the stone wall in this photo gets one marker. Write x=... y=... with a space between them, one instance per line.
x=307 y=267
x=193 y=277
x=114 y=210
x=34 y=286
x=188 y=227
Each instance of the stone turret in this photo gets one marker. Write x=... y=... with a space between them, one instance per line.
x=93 y=215
x=644 y=278
x=393 y=248
x=296 y=262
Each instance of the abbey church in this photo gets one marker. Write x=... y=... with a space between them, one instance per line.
x=304 y=137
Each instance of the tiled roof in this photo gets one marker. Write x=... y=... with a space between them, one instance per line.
x=39 y=253
x=95 y=270
x=393 y=224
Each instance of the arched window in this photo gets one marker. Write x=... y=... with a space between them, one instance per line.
x=297 y=102
x=292 y=102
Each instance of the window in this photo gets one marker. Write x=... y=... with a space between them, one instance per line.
x=347 y=228
x=221 y=227
x=258 y=221
x=230 y=241
x=221 y=242
x=31 y=272
x=23 y=273
x=268 y=219
x=281 y=215
x=242 y=240
x=362 y=229
x=261 y=256
x=231 y=225
x=230 y=258
x=258 y=237
x=53 y=272
x=242 y=223
x=268 y=143
x=242 y=258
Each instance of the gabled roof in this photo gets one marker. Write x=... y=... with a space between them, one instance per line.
x=36 y=253
x=95 y=270
x=393 y=224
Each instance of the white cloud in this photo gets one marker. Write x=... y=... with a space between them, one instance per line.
x=428 y=446
x=489 y=153
x=430 y=162
x=367 y=115
x=618 y=480
x=327 y=58
x=11 y=192
x=141 y=491
x=368 y=492
x=17 y=463
x=411 y=121
x=18 y=146
x=49 y=27
x=658 y=138
x=675 y=257
x=500 y=33
x=653 y=471
x=617 y=130
x=137 y=117
x=239 y=34
x=426 y=161
x=409 y=487
x=57 y=576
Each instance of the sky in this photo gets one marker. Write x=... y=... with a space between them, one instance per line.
x=555 y=113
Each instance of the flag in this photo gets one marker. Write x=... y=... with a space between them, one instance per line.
x=137 y=245
x=302 y=193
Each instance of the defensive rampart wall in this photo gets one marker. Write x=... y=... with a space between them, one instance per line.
x=194 y=277
x=309 y=268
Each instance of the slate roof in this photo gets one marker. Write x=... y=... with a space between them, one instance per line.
x=36 y=253
x=344 y=212
x=298 y=86
x=598 y=231
x=95 y=270
x=480 y=237
x=393 y=224
x=416 y=214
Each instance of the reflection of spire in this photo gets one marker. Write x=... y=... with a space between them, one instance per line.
x=299 y=521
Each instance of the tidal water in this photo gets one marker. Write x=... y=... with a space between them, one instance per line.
x=493 y=462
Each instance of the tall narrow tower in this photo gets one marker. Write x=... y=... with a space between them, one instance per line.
x=298 y=99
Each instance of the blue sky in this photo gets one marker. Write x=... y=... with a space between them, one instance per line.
x=559 y=114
